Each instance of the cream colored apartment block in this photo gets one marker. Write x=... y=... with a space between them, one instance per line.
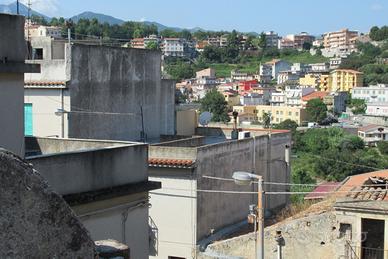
x=282 y=113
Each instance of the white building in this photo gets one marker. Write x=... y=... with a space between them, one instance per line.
x=377 y=109
x=371 y=94
x=371 y=134
x=272 y=68
x=291 y=96
x=289 y=75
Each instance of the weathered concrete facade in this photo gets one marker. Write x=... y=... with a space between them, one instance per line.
x=13 y=51
x=35 y=221
x=104 y=182
x=115 y=93
x=193 y=215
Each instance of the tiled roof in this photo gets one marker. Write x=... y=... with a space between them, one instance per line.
x=314 y=95
x=368 y=186
x=45 y=84
x=317 y=193
x=168 y=162
x=371 y=127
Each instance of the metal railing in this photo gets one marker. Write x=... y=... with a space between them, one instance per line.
x=356 y=252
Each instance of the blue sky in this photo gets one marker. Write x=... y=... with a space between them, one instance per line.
x=283 y=16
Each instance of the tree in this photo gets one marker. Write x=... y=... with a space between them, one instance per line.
x=316 y=109
x=215 y=103
x=306 y=45
x=358 y=106
x=180 y=70
x=383 y=147
x=266 y=120
x=287 y=125
x=152 y=45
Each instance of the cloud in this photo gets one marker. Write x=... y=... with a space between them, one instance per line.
x=47 y=7
x=376 y=7
x=143 y=19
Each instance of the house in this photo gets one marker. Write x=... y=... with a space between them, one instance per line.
x=138 y=43
x=322 y=191
x=186 y=212
x=12 y=69
x=237 y=75
x=32 y=30
x=104 y=182
x=282 y=113
x=287 y=76
x=335 y=62
x=372 y=93
x=344 y=80
x=231 y=97
x=296 y=41
x=273 y=68
x=361 y=212
x=377 y=109
x=123 y=87
x=252 y=99
x=177 y=47
x=314 y=95
x=371 y=134
x=336 y=102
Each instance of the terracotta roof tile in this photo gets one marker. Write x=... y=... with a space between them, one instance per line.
x=168 y=162
x=323 y=187
x=45 y=83
x=314 y=95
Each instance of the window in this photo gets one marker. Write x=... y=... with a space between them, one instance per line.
x=28 y=130
x=296 y=113
x=289 y=113
x=37 y=54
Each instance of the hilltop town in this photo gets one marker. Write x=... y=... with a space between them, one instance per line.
x=131 y=141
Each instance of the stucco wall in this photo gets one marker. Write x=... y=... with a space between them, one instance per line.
x=173 y=212
x=45 y=102
x=217 y=210
x=187 y=121
x=88 y=170
x=119 y=80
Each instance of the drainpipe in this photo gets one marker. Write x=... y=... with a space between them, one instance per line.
x=63 y=114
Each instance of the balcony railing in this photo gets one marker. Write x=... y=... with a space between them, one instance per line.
x=356 y=252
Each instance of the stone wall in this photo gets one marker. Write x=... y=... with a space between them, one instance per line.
x=313 y=236
x=35 y=221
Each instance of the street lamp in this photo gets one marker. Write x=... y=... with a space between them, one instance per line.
x=245 y=178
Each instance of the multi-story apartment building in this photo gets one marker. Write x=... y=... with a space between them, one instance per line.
x=237 y=75
x=339 y=43
x=138 y=43
x=296 y=41
x=315 y=80
x=176 y=47
x=282 y=113
x=287 y=76
x=219 y=41
x=341 y=80
x=371 y=94
x=320 y=67
x=273 y=68
x=291 y=96
x=271 y=39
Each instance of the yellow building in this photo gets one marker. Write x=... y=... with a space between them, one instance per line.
x=308 y=80
x=231 y=99
x=246 y=113
x=282 y=113
x=343 y=80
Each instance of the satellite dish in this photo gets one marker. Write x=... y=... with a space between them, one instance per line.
x=205 y=118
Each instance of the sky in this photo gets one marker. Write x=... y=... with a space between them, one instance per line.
x=283 y=16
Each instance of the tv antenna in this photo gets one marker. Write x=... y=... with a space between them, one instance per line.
x=205 y=118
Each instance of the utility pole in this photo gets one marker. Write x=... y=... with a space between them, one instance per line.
x=260 y=219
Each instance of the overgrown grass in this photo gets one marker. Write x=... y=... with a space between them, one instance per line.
x=251 y=64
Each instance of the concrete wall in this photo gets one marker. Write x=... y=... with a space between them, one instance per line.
x=45 y=102
x=93 y=169
x=186 y=121
x=119 y=80
x=218 y=210
x=12 y=49
x=193 y=141
x=174 y=214
x=123 y=218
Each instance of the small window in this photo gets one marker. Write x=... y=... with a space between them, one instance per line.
x=37 y=54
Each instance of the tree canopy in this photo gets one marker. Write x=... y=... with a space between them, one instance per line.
x=215 y=103
x=316 y=109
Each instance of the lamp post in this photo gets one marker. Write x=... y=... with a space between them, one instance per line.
x=245 y=178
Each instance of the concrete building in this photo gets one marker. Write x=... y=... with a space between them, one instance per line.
x=12 y=68
x=231 y=97
x=253 y=99
x=33 y=31
x=377 y=109
x=273 y=68
x=287 y=76
x=194 y=217
x=371 y=94
x=176 y=47
x=219 y=41
x=371 y=134
x=336 y=101
x=282 y=113
x=105 y=183
x=138 y=43
x=319 y=67
x=237 y=75
x=290 y=96
x=271 y=39
x=123 y=87
x=296 y=41
x=344 y=80
x=337 y=39
x=335 y=62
